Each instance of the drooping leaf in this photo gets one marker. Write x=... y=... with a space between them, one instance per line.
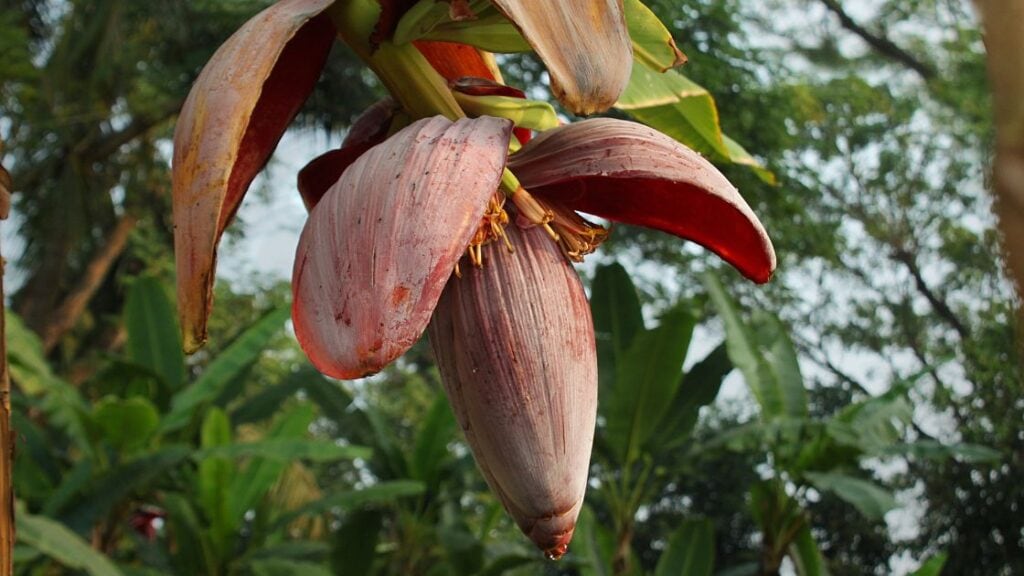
x=195 y=554
x=739 y=155
x=933 y=566
x=873 y=425
x=72 y=483
x=286 y=450
x=25 y=356
x=61 y=402
x=330 y=396
x=391 y=457
x=806 y=555
x=58 y=542
x=780 y=355
x=250 y=485
x=268 y=401
x=382 y=493
x=354 y=546
x=699 y=388
x=154 y=339
x=214 y=480
x=646 y=380
x=676 y=106
x=36 y=471
x=746 y=354
x=235 y=358
x=871 y=500
x=618 y=318
x=117 y=484
x=431 y=449
x=690 y=550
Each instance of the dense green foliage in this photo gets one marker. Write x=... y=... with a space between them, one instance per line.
x=881 y=369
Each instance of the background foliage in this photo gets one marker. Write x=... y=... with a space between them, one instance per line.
x=860 y=415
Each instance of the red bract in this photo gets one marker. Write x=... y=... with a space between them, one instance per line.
x=631 y=173
x=368 y=130
x=515 y=345
x=378 y=248
x=231 y=122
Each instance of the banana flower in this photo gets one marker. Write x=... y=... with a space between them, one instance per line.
x=511 y=331
x=413 y=233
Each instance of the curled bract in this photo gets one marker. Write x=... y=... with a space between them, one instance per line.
x=628 y=172
x=230 y=124
x=585 y=45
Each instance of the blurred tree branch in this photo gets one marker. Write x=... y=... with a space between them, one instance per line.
x=879 y=43
x=65 y=317
x=100 y=148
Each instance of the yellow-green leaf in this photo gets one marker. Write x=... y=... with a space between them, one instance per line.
x=126 y=423
x=532 y=114
x=488 y=30
x=676 y=106
x=679 y=107
x=653 y=45
x=62 y=544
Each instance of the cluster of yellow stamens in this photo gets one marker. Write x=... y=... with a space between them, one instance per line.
x=574 y=234
x=492 y=227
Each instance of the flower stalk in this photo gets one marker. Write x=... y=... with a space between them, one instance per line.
x=403 y=69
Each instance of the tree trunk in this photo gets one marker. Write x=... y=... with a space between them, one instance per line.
x=6 y=449
x=1003 y=24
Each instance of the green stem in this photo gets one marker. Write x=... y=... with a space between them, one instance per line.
x=405 y=72
x=509 y=183
x=641 y=484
